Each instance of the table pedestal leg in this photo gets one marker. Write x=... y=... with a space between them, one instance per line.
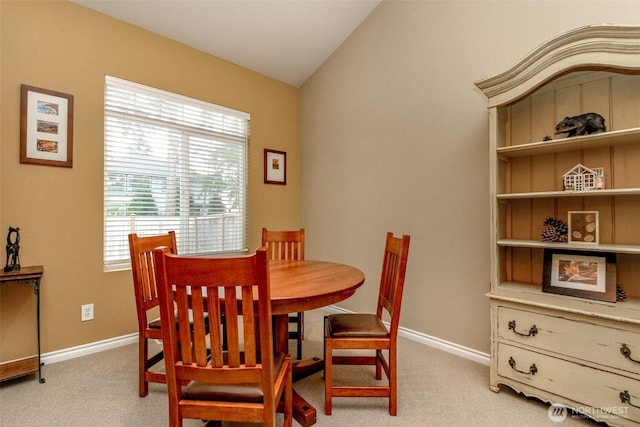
x=303 y=412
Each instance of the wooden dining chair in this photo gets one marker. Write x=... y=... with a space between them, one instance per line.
x=146 y=293
x=246 y=382
x=355 y=331
x=287 y=245
x=144 y=285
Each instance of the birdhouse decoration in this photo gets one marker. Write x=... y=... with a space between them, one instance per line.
x=582 y=178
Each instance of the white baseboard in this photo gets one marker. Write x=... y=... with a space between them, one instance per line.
x=95 y=347
x=449 y=347
x=90 y=348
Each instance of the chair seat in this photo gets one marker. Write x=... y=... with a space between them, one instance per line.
x=356 y=325
x=197 y=390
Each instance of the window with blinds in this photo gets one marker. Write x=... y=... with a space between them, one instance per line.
x=172 y=163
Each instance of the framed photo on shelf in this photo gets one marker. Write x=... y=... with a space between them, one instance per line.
x=275 y=167
x=583 y=227
x=581 y=274
x=46 y=127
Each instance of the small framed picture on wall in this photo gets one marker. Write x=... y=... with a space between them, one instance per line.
x=275 y=167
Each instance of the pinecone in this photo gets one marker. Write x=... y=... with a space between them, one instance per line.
x=554 y=230
x=620 y=294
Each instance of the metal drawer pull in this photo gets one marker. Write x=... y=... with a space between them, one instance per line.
x=532 y=369
x=625 y=397
x=626 y=352
x=533 y=331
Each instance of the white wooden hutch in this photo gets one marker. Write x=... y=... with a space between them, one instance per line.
x=576 y=352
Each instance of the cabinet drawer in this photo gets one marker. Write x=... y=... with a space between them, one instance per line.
x=582 y=339
x=591 y=387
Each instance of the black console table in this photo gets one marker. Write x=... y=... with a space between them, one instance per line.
x=29 y=276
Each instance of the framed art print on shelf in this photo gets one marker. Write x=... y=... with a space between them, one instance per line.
x=46 y=127
x=275 y=167
x=580 y=274
x=583 y=227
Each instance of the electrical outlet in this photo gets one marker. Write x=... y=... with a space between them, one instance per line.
x=87 y=312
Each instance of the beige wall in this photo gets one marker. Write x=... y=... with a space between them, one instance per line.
x=394 y=137
x=64 y=47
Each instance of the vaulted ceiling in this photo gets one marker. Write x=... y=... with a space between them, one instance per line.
x=284 y=39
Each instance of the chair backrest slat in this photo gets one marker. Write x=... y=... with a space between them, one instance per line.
x=148 y=281
x=215 y=318
x=233 y=327
x=249 y=328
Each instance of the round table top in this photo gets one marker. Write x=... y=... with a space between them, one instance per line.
x=307 y=284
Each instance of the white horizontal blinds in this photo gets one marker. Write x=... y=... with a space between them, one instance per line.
x=173 y=163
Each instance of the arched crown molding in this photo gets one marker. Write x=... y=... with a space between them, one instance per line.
x=603 y=46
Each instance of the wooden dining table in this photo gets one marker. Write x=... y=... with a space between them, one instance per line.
x=300 y=286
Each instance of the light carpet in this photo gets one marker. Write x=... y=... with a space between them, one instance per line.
x=435 y=389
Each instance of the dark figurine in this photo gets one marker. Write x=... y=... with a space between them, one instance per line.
x=13 y=259
x=584 y=124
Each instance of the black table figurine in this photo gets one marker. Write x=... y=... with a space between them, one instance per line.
x=13 y=259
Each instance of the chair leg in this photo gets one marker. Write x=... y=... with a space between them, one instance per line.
x=301 y=325
x=324 y=344
x=328 y=374
x=143 y=350
x=288 y=398
x=393 y=382
x=299 y=335
x=299 y=348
